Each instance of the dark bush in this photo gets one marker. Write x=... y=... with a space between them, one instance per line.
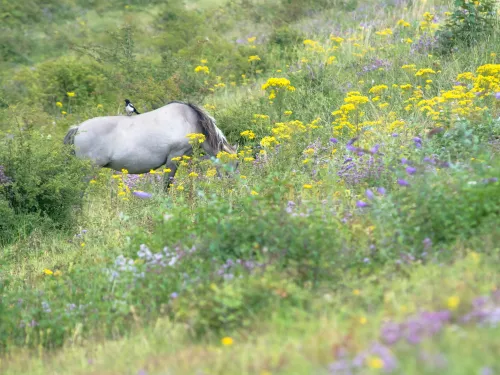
x=42 y=184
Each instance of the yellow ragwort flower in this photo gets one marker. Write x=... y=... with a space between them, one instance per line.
x=453 y=302
x=202 y=69
x=375 y=363
x=253 y=58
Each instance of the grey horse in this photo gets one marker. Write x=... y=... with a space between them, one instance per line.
x=146 y=141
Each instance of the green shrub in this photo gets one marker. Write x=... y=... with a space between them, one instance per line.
x=52 y=80
x=46 y=183
x=441 y=213
x=470 y=22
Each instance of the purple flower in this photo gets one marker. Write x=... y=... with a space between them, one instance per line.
x=341 y=367
x=394 y=135
x=361 y=204
x=486 y=371
x=334 y=140
x=142 y=194
x=427 y=243
x=418 y=142
x=174 y=295
x=390 y=333
x=381 y=190
x=381 y=351
x=404 y=161
x=497 y=95
x=402 y=182
x=369 y=194
x=411 y=170
x=374 y=149
x=351 y=141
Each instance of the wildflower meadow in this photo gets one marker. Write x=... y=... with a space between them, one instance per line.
x=353 y=231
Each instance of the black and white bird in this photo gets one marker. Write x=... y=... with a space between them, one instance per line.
x=129 y=108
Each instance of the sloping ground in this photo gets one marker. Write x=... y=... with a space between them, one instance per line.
x=321 y=254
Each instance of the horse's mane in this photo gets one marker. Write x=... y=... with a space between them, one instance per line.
x=214 y=136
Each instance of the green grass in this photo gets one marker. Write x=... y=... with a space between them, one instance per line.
x=319 y=273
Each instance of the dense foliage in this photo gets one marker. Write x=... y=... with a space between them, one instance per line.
x=364 y=209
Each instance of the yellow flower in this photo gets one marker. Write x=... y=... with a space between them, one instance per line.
x=202 y=69
x=378 y=89
x=93 y=181
x=384 y=32
x=227 y=341
x=253 y=58
x=180 y=187
x=408 y=41
x=336 y=39
x=253 y=192
x=151 y=171
x=203 y=61
x=423 y=72
x=196 y=138
x=277 y=83
x=251 y=39
x=99 y=106
x=375 y=363
x=59 y=104
x=403 y=23
x=248 y=134
x=211 y=172
x=70 y=94
x=248 y=159
x=121 y=193
x=409 y=67
x=287 y=113
x=331 y=60
x=193 y=174
x=167 y=170
x=453 y=302
x=363 y=320
x=243 y=177
x=307 y=186
x=356 y=292
x=268 y=141
x=48 y=272
x=64 y=112
x=177 y=158
x=309 y=151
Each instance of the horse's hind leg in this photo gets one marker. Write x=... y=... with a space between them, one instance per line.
x=170 y=177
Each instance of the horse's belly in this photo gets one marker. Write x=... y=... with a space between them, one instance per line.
x=138 y=162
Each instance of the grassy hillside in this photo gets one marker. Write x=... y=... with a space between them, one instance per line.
x=359 y=234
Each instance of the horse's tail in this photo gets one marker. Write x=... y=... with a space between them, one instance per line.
x=69 y=139
x=214 y=136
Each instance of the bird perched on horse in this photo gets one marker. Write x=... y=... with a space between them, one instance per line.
x=129 y=108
